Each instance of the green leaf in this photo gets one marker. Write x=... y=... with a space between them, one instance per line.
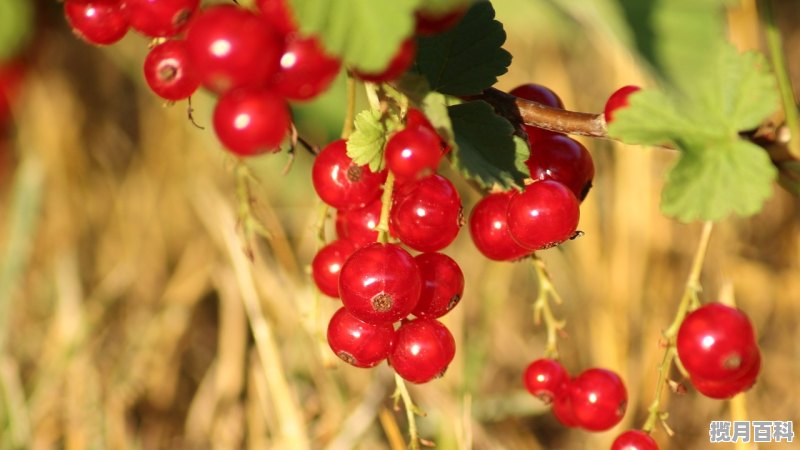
x=434 y=105
x=439 y=7
x=16 y=25
x=487 y=150
x=364 y=33
x=365 y=145
x=468 y=58
x=710 y=183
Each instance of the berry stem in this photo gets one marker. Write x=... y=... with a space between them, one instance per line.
x=386 y=206
x=688 y=300
x=542 y=308
x=401 y=393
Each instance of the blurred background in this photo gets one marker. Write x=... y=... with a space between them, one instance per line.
x=132 y=318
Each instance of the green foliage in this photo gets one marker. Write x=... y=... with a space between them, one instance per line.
x=468 y=58
x=364 y=33
x=434 y=105
x=442 y=6
x=16 y=25
x=487 y=150
x=718 y=172
x=365 y=145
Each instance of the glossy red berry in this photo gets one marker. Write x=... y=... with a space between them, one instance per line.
x=426 y=214
x=545 y=214
x=727 y=389
x=429 y=23
x=618 y=100
x=717 y=343
x=251 y=121
x=563 y=411
x=546 y=379
x=12 y=74
x=306 y=70
x=100 y=22
x=380 y=283
x=397 y=66
x=359 y=343
x=160 y=18
x=562 y=159
x=167 y=72
x=413 y=152
x=422 y=350
x=278 y=15
x=488 y=226
x=540 y=94
x=634 y=440
x=599 y=399
x=327 y=265
x=230 y=47
x=442 y=285
x=415 y=118
x=340 y=182
x=358 y=225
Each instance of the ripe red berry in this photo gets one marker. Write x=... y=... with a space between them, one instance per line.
x=278 y=15
x=358 y=225
x=422 y=350
x=545 y=214
x=442 y=285
x=340 y=182
x=563 y=411
x=540 y=94
x=380 y=283
x=634 y=440
x=251 y=121
x=716 y=342
x=397 y=66
x=100 y=22
x=415 y=118
x=160 y=18
x=618 y=100
x=230 y=47
x=426 y=214
x=413 y=152
x=562 y=159
x=12 y=74
x=488 y=226
x=429 y=23
x=727 y=389
x=327 y=265
x=306 y=70
x=166 y=69
x=546 y=379
x=359 y=343
x=599 y=399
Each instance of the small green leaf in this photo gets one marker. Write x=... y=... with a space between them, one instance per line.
x=434 y=105
x=731 y=176
x=364 y=33
x=487 y=150
x=365 y=145
x=468 y=58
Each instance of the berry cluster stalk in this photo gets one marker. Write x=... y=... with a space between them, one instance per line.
x=542 y=308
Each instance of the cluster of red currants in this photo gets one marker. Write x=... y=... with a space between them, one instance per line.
x=379 y=283
x=717 y=347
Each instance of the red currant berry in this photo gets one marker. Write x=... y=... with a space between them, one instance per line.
x=442 y=285
x=358 y=225
x=306 y=70
x=545 y=214
x=12 y=74
x=429 y=23
x=397 y=66
x=413 y=152
x=422 y=350
x=563 y=411
x=599 y=399
x=166 y=69
x=426 y=214
x=160 y=18
x=230 y=47
x=251 y=121
x=100 y=22
x=415 y=118
x=340 y=182
x=716 y=342
x=278 y=15
x=380 y=283
x=359 y=343
x=328 y=263
x=540 y=94
x=546 y=379
x=562 y=159
x=618 y=100
x=634 y=440
x=727 y=389
x=488 y=226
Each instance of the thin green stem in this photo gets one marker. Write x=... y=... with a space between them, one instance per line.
x=401 y=393
x=542 y=308
x=386 y=206
x=688 y=300
x=778 y=58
